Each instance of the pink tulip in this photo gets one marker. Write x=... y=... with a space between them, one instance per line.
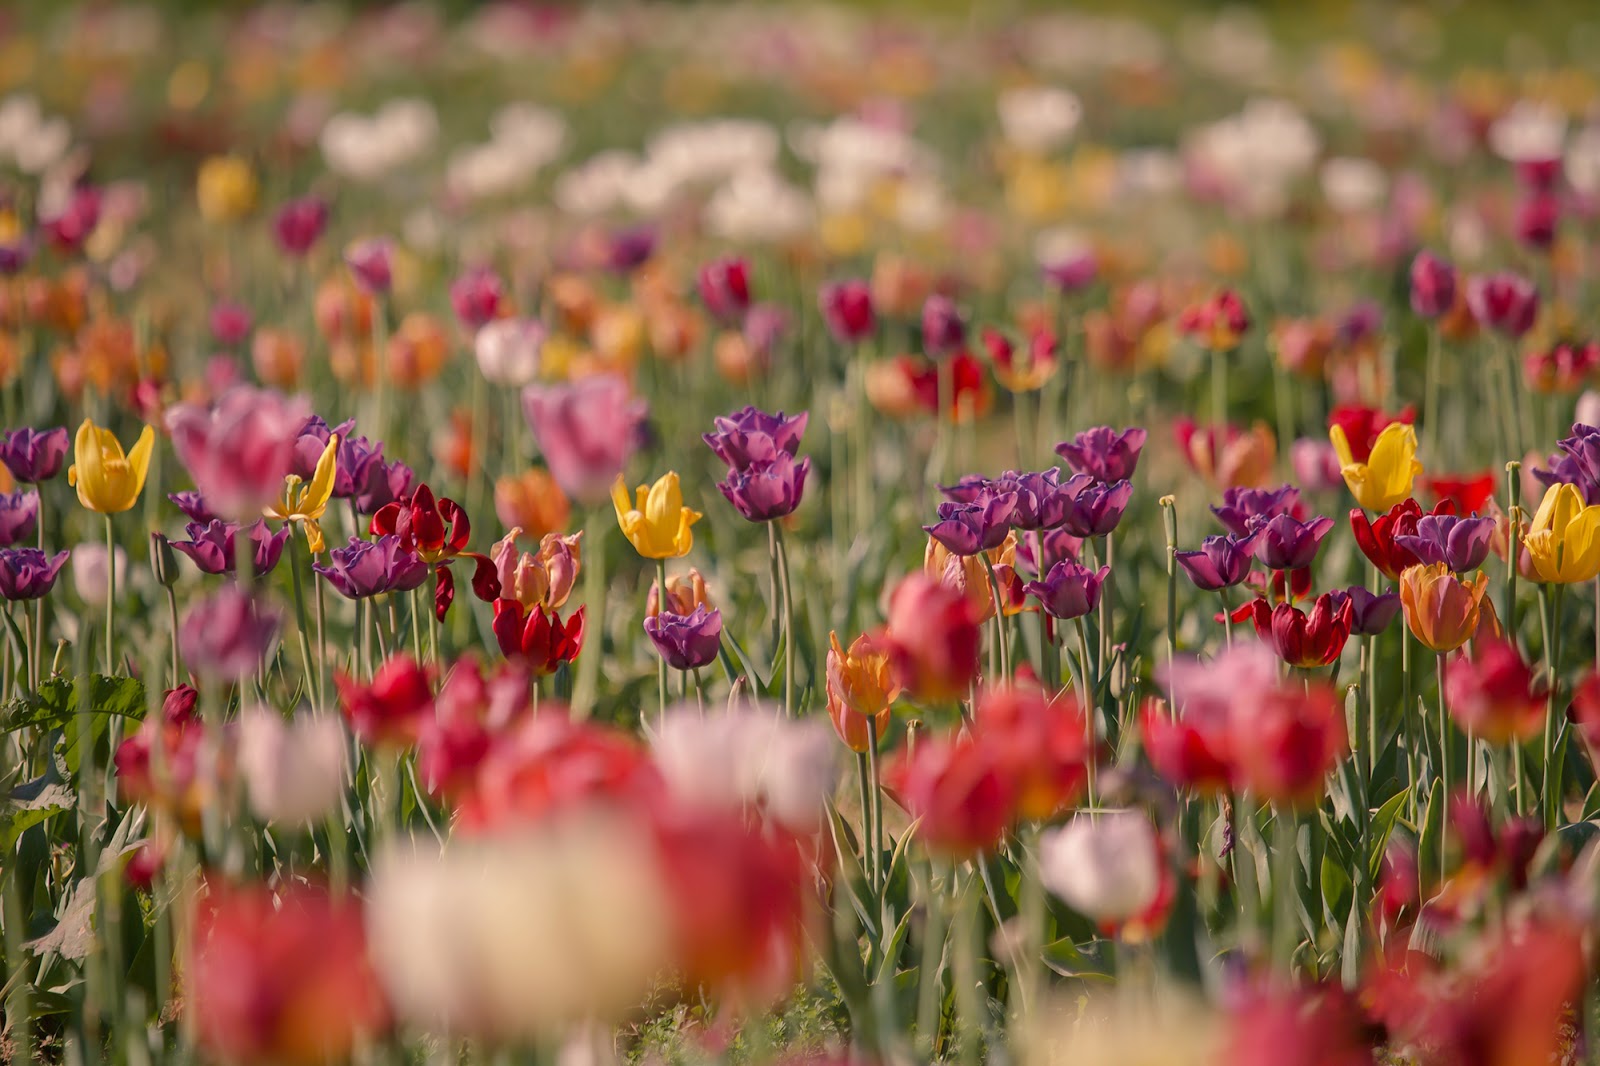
x=586 y=430
x=239 y=451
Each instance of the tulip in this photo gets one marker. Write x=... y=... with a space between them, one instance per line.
x=19 y=517
x=1563 y=369
x=371 y=264
x=766 y=489
x=725 y=288
x=1109 y=867
x=1370 y=613
x=684 y=593
x=1025 y=367
x=299 y=224
x=1094 y=508
x=1441 y=610
x=1284 y=543
x=1069 y=590
x=659 y=526
x=438 y=530
x=227 y=635
x=1316 y=464
x=1286 y=740
x=1433 y=285
x=373 y=567
x=1103 y=453
x=108 y=481
x=211 y=546
x=536 y=638
x=230 y=323
x=586 y=431
x=305 y=502
x=1305 y=640
x=1315 y=1026
x=1240 y=505
x=531 y=502
x=686 y=642
x=544 y=578
x=1380 y=539
x=239 y=451
x=475 y=297
x=943 y=329
x=194 y=507
x=33 y=455
x=1044 y=746
x=294 y=771
x=1462 y=544
x=1221 y=563
x=861 y=686
x=89 y=577
x=968 y=529
x=28 y=573
x=1504 y=302
x=1191 y=750
x=1385 y=478
x=1232 y=458
x=1564 y=539
x=956 y=790
x=1494 y=694
x=392 y=708
x=933 y=638
x=751 y=435
x=969 y=575
x=508 y=350
x=1361 y=427
x=1466 y=494
x=847 y=310
x=630 y=248
x=1217 y=324
x=226 y=189
x=386 y=483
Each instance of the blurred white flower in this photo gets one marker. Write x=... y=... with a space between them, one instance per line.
x=89 y=573
x=1257 y=154
x=366 y=149
x=1039 y=118
x=749 y=757
x=1352 y=184
x=851 y=155
x=1528 y=133
x=524 y=139
x=1150 y=171
x=29 y=140
x=1106 y=867
x=1583 y=161
x=1588 y=411
x=294 y=771
x=520 y=936
x=508 y=350
x=758 y=205
x=596 y=185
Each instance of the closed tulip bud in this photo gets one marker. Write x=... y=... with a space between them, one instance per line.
x=1504 y=302
x=1433 y=285
x=1441 y=610
x=725 y=288
x=847 y=310
x=299 y=224
x=476 y=297
x=686 y=642
x=943 y=329
x=163 y=563
x=861 y=686
x=1069 y=590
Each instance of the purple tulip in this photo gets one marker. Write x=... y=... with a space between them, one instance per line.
x=974 y=488
x=943 y=330
x=19 y=517
x=34 y=455
x=1462 y=544
x=766 y=489
x=1370 y=612
x=1042 y=501
x=1433 y=285
x=1239 y=506
x=211 y=546
x=750 y=435
x=371 y=567
x=1094 y=508
x=385 y=484
x=970 y=528
x=28 y=573
x=1221 y=562
x=193 y=505
x=686 y=642
x=1103 y=453
x=226 y=635
x=1286 y=543
x=847 y=310
x=1361 y=321
x=310 y=442
x=15 y=253
x=1506 y=303
x=371 y=263
x=630 y=248
x=1073 y=271
x=1069 y=590
x=1045 y=548
x=475 y=297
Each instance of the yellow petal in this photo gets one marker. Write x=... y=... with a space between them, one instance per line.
x=139 y=461
x=314 y=542
x=1557 y=508
x=619 y=498
x=1341 y=445
x=317 y=494
x=664 y=501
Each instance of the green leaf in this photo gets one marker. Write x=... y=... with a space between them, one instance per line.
x=1382 y=828
x=1336 y=889
x=55 y=705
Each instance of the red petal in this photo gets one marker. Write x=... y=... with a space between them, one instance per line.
x=383 y=523
x=460 y=526
x=485 y=579
x=508 y=627
x=444 y=591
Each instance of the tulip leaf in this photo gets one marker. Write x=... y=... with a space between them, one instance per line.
x=1382 y=828
x=1336 y=889
x=56 y=702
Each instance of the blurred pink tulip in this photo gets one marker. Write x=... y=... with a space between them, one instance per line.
x=239 y=451
x=586 y=430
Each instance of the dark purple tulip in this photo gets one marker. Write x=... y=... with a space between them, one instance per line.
x=19 y=517
x=1286 y=543
x=299 y=224
x=193 y=505
x=943 y=330
x=974 y=488
x=227 y=635
x=1433 y=285
x=1361 y=321
x=768 y=489
x=34 y=455
x=1103 y=453
x=1069 y=590
x=1221 y=563
x=686 y=642
x=750 y=434
x=1462 y=544
x=630 y=249
x=1370 y=613
x=475 y=297
x=1239 y=506
x=371 y=567
x=15 y=253
x=1506 y=303
x=211 y=546
x=1036 y=554
x=970 y=528
x=28 y=573
x=385 y=484
x=360 y=461
x=1042 y=501
x=725 y=288
x=1094 y=507
x=1537 y=218
x=1583 y=450
x=847 y=310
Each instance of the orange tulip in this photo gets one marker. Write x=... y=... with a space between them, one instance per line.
x=1441 y=610
x=861 y=687
x=532 y=502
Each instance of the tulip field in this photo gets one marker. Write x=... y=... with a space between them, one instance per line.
x=700 y=534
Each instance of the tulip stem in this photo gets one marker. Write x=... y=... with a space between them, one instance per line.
x=788 y=623
x=1227 y=615
x=1430 y=408
x=869 y=858
x=172 y=613
x=1091 y=713
x=1000 y=636
x=1283 y=887
x=322 y=647
x=1552 y=769
x=1444 y=772
x=879 y=876
x=300 y=615
x=1169 y=525
x=1514 y=554
x=661 y=660
x=111 y=600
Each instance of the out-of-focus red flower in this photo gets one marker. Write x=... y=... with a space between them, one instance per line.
x=1219 y=323
x=1041 y=745
x=1361 y=426
x=1466 y=493
x=1376 y=536
x=967 y=392
x=1494 y=694
x=392 y=708
x=1584 y=712
x=282 y=977
x=438 y=531
x=1564 y=368
x=1191 y=750
x=536 y=637
x=1286 y=740
x=1241 y=459
x=1301 y=639
x=170 y=779
x=933 y=640
x=1307 y=1026
x=959 y=790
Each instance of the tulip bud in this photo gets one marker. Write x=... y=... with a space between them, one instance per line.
x=162 y=560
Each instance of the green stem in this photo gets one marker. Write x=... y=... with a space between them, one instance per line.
x=788 y=623
x=300 y=613
x=1001 y=638
x=661 y=662
x=877 y=807
x=172 y=614
x=869 y=859
x=1284 y=860
x=1552 y=771
x=1444 y=772
x=111 y=600
x=1091 y=711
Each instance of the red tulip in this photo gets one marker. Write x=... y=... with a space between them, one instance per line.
x=1309 y=1027
x=437 y=530
x=1494 y=693
x=1286 y=740
x=1300 y=639
x=1376 y=537
x=392 y=708
x=1362 y=425
x=960 y=791
x=535 y=637
x=1041 y=745
x=1191 y=750
x=1466 y=493
x=933 y=640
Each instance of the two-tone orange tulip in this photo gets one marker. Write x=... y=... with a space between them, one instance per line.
x=1442 y=611
x=861 y=689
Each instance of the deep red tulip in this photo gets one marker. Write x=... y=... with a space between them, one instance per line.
x=392 y=708
x=1300 y=639
x=1040 y=744
x=1286 y=740
x=933 y=640
x=1376 y=536
x=438 y=531
x=536 y=637
x=1362 y=425
x=960 y=792
x=1494 y=694
x=1191 y=750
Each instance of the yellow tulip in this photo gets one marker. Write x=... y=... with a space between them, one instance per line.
x=108 y=481
x=1385 y=478
x=305 y=502
x=1441 y=610
x=1564 y=541
x=658 y=528
x=226 y=189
